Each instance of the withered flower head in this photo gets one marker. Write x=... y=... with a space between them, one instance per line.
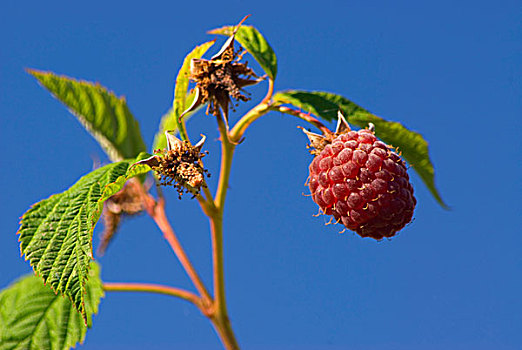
x=221 y=78
x=179 y=165
x=126 y=202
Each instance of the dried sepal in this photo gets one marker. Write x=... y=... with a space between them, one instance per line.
x=199 y=146
x=342 y=124
x=196 y=102
x=318 y=142
x=227 y=50
x=152 y=161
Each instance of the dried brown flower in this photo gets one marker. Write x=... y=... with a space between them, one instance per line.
x=179 y=165
x=221 y=79
x=126 y=202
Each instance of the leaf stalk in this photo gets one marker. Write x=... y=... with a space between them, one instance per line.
x=156 y=211
x=255 y=113
x=153 y=288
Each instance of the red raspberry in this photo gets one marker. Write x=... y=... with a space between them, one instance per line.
x=363 y=183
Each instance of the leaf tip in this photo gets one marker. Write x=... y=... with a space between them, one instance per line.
x=219 y=31
x=35 y=72
x=228 y=29
x=241 y=22
x=31 y=71
x=442 y=203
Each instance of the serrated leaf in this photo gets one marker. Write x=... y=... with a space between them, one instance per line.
x=411 y=144
x=182 y=98
x=106 y=116
x=56 y=233
x=33 y=317
x=252 y=40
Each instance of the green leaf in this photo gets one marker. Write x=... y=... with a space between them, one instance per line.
x=33 y=317
x=321 y=104
x=100 y=111
x=56 y=233
x=182 y=99
x=250 y=38
x=167 y=122
x=411 y=144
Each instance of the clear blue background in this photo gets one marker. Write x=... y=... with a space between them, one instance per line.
x=450 y=70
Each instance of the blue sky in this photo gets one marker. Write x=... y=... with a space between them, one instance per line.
x=449 y=70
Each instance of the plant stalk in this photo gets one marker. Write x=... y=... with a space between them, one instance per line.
x=305 y=116
x=225 y=333
x=161 y=220
x=216 y=221
x=262 y=108
x=156 y=211
x=153 y=288
x=229 y=140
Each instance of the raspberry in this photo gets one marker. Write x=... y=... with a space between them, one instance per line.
x=361 y=182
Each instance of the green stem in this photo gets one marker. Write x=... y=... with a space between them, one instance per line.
x=227 y=153
x=180 y=124
x=225 y=333
x=262 y=108
x=219 y=315
x=229 y=140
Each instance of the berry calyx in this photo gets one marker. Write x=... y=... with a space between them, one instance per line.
x=361 y=181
